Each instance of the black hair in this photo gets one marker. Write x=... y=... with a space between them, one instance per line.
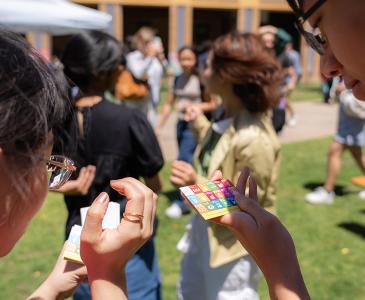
x=192 y=49
x=90 y=55
x=32 y=104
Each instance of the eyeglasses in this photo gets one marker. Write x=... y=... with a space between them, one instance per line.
x=314 y=39
x=59 y=170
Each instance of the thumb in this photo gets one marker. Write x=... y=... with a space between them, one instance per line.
x=94 y=218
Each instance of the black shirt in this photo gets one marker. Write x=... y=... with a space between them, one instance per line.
x=120 y=142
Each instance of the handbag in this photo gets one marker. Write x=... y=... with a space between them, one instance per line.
x=131 y=88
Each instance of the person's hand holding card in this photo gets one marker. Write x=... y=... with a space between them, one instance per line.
x=266 y=239
x=106 y=252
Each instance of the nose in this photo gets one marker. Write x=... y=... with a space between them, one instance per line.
x=330 y=66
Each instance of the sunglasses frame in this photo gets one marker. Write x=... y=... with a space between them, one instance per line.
x=311 y=39
x=68 y=165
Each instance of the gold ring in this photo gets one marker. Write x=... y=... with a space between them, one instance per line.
x=136 y=218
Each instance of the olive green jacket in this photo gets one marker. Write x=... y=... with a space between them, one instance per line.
x=249 y=141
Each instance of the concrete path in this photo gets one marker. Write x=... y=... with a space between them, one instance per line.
x=315 y=120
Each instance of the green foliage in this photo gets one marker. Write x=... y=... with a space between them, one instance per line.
x=331 y=256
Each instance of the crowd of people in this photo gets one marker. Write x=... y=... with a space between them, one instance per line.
x=98 y=114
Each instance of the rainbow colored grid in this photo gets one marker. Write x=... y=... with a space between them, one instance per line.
x=211 y=199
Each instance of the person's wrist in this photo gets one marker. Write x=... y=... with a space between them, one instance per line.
x=112 y=274
x=47 y=290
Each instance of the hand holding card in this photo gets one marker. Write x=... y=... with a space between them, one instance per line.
x=211 y=199
x=111 y=220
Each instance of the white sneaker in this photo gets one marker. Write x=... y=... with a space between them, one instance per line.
x=361 y=195
x=320 y=196
x=174 y=211
x=292 y=122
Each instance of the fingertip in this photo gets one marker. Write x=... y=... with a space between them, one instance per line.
x=103 y=198
x=217 y=175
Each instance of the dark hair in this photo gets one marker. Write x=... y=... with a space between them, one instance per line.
x=183 y=48
x=204 y=46
x=192 y=49
x=31 y=102
x=90 y=55
x=243 y=60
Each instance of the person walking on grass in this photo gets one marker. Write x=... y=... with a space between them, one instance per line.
x=350 y=136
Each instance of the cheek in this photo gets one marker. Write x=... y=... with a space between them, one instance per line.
x=38 y=189
x=345 y=36
x=41 y=187
x=23 y=209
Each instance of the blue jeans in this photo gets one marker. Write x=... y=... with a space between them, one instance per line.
x=187 y=145
x=186 y=141
x=143 y=277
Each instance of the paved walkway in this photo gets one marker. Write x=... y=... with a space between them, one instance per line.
x=315 y=120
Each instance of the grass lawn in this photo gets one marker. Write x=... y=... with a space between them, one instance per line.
x=307 y=92
x=330 y=240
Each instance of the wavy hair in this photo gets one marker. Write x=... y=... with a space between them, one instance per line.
x=243 y=60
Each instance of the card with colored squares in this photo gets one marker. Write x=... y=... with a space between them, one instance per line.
x=211 y=199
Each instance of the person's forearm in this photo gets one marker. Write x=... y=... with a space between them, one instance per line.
x=282 y=271
x=287 y=282
x=164 y=115
x=108 y=286
x=45 y=291
x=207 y=106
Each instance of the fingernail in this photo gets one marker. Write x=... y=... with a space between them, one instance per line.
x=103 y=197
x=113 y=181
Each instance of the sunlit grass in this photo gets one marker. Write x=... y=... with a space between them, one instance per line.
x=330 y=240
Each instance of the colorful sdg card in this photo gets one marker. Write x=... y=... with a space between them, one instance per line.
x=211 y=199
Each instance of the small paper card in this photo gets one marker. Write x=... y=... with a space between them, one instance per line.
x=111 y=220
x=72 y=250
x=211 y=199
x=112 y=216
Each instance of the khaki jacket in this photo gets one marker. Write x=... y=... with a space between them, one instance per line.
x=249 y=141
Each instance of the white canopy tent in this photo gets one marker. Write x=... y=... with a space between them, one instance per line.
x=56 y=17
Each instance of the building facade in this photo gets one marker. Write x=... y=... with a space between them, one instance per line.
x=190 y=22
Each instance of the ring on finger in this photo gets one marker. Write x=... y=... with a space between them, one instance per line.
x=134 y=218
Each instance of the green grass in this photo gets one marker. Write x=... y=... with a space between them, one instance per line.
x=307 y=92
x=318 y=231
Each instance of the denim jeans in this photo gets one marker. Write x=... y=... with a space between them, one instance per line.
x=187 y=144
x=143 y=277
x=186 y=141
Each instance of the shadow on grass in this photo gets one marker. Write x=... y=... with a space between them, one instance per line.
x=362 y=211
x=340 y=190
x=353 y=227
